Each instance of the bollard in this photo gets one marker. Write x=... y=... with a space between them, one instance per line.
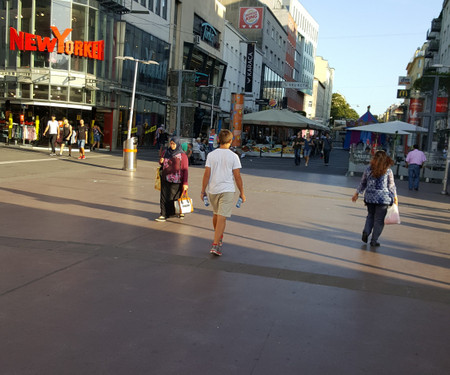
x=129 y=154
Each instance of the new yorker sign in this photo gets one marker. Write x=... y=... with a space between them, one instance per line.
x=30 y=42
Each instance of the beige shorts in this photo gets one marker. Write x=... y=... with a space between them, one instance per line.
x=222 y=204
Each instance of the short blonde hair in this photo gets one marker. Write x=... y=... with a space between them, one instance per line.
x=225 y=136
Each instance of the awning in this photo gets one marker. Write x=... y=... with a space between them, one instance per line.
x=284 y=117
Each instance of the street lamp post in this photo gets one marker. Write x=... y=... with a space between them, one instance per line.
x=129 y=149
x=445 y=179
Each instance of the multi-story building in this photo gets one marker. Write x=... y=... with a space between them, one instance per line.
x=271 y=39
x=59 y=58
x=198 y=69
x=236 y=53
x=322 y=90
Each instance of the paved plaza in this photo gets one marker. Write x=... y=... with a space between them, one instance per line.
x=91 y=284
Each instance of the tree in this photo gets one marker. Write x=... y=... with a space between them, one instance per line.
x=340 y=109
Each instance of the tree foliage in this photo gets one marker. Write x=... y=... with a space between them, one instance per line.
x=341 y=110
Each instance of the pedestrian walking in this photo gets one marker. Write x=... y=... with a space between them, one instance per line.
x=297 y=146
x=82 y=134
x=66 y=138
x=212 y=140
x=307 y=145
x=161 y=139
x=97 y=136
x=327 y=146
x=414 y=162
x=174 y=178
x=53 y=132
x=222 y=171
x=380 y=192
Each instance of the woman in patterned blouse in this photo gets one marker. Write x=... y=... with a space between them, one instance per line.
x=174 y=178
x=380 y=192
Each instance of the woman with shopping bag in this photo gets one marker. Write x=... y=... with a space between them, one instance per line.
x=380 y=192
x=174 y=178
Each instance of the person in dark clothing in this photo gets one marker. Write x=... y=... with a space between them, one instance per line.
x=82 y=134
x=327 y=146
x=174 y=178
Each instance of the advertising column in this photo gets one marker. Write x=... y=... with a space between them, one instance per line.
x=237 y=106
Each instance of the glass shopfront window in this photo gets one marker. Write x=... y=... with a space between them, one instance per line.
x=60 y=19
x=92 y=21
x=42 y=27
x=272 y=85
x=78 y=33
x=40 y=92
x=24 y=24
x=143 y=46
x=76 y=94
x=58 y=93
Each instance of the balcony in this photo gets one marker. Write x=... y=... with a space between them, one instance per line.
x=436 y=25
x=433 y=46
x=116 y=6
x=431 y=35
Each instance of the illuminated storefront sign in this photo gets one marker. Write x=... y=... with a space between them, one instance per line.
x=30 y=42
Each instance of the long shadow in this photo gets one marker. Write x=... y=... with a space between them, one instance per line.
x=333 y=235
x=196 y=258
x=89 y=164
x=64 y=201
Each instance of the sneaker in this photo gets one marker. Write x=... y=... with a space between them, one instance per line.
x=80 y=157
x=374 y=243
x=364 y=237
x=215 y=250
x=161 y=218
x=52 y=154
x=181 y=216
x=84 y=157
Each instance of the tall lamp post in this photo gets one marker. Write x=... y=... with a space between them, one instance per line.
x=129 y=149
x=445 y=179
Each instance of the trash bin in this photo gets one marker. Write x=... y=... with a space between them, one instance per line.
x=129 y=154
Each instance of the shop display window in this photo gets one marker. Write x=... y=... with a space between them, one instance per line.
x=40 y=92
x=58 y=93
x=76 y=94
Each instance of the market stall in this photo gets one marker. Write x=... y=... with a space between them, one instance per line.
x=361 y=152
x=269 y=132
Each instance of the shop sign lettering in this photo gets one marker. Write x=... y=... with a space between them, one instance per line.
x=209 y=33
x=30 y=42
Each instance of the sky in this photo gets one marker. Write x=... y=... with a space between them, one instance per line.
x=369 y=44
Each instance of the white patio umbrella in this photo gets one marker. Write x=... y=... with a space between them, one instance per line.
x=392 y=127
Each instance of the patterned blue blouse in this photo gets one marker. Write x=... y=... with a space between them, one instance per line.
x=379 y=190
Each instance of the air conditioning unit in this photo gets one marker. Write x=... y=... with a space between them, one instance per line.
x=196 y=39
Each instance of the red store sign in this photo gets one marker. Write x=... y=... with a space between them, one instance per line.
x=30 y=42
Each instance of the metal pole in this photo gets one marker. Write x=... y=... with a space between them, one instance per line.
x=132 y=100
x=212 y=106
x=445 y=180
x=432 y=113
x=179 y=91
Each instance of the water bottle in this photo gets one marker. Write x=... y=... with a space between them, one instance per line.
x=205 y=200
x=239 y=202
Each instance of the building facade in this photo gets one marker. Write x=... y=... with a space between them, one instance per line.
x=322 y=90
x=59 y=59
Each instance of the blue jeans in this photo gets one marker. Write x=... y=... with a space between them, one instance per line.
x=375 y=219
x=413 y=176
x=297 y=156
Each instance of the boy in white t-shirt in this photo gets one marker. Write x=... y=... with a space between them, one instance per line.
x=222 y=171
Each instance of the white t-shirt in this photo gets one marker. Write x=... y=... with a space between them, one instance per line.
x=222 y=162
x=53 y=127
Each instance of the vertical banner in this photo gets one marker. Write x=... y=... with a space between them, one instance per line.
x=415 y=107
x=442 y=105
x=237 y=107
x=249 y=67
